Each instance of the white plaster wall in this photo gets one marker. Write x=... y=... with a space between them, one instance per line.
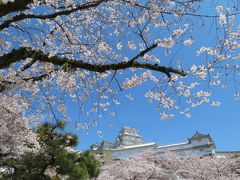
x=201 y=142
x=193 y=147
x=121 y=154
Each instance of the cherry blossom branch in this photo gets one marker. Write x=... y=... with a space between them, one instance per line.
x=23 y=53
x=20 y=17
x=22 y=5
x=6 y=85
x=40 y=77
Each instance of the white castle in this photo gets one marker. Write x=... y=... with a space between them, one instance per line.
x=129 y=142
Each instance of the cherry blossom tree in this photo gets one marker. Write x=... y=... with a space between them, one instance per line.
x=172 y=166
x=56 y=54
x=16 y=138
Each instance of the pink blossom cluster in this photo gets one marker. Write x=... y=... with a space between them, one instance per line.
x=134 y=35
x=169 y=165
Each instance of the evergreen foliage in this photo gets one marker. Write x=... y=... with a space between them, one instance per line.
x=56 y=159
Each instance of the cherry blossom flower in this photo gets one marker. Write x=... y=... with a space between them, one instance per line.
x=168 y=165
x=73 y=54
x=188 y=42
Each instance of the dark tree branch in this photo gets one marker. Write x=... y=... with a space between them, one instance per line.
x=23 y=53
x=22 y=5
x=17 y=5
x=142 y=53
x=6 y=85
x=20 y=17
x=28 y=65
x=40 y=77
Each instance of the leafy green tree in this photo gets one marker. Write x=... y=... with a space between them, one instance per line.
x=56 y=159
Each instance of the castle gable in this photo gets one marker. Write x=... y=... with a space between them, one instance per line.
x=200 y=137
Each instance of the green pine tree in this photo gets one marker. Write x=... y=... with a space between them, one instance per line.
x=53 y=155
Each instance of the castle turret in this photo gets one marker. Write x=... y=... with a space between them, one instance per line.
x=127 y=137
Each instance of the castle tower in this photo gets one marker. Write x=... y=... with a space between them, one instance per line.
x=127 y=137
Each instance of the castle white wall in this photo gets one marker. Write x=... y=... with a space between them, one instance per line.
x=125 y=153
x=202 y=146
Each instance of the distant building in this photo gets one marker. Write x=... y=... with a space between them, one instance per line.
x=129 y=142
x=103 y=145
x=223 y=154
x=128 y=151
x=128 y=137
x=198 y=143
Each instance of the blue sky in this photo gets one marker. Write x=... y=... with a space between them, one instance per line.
x=222 y=122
